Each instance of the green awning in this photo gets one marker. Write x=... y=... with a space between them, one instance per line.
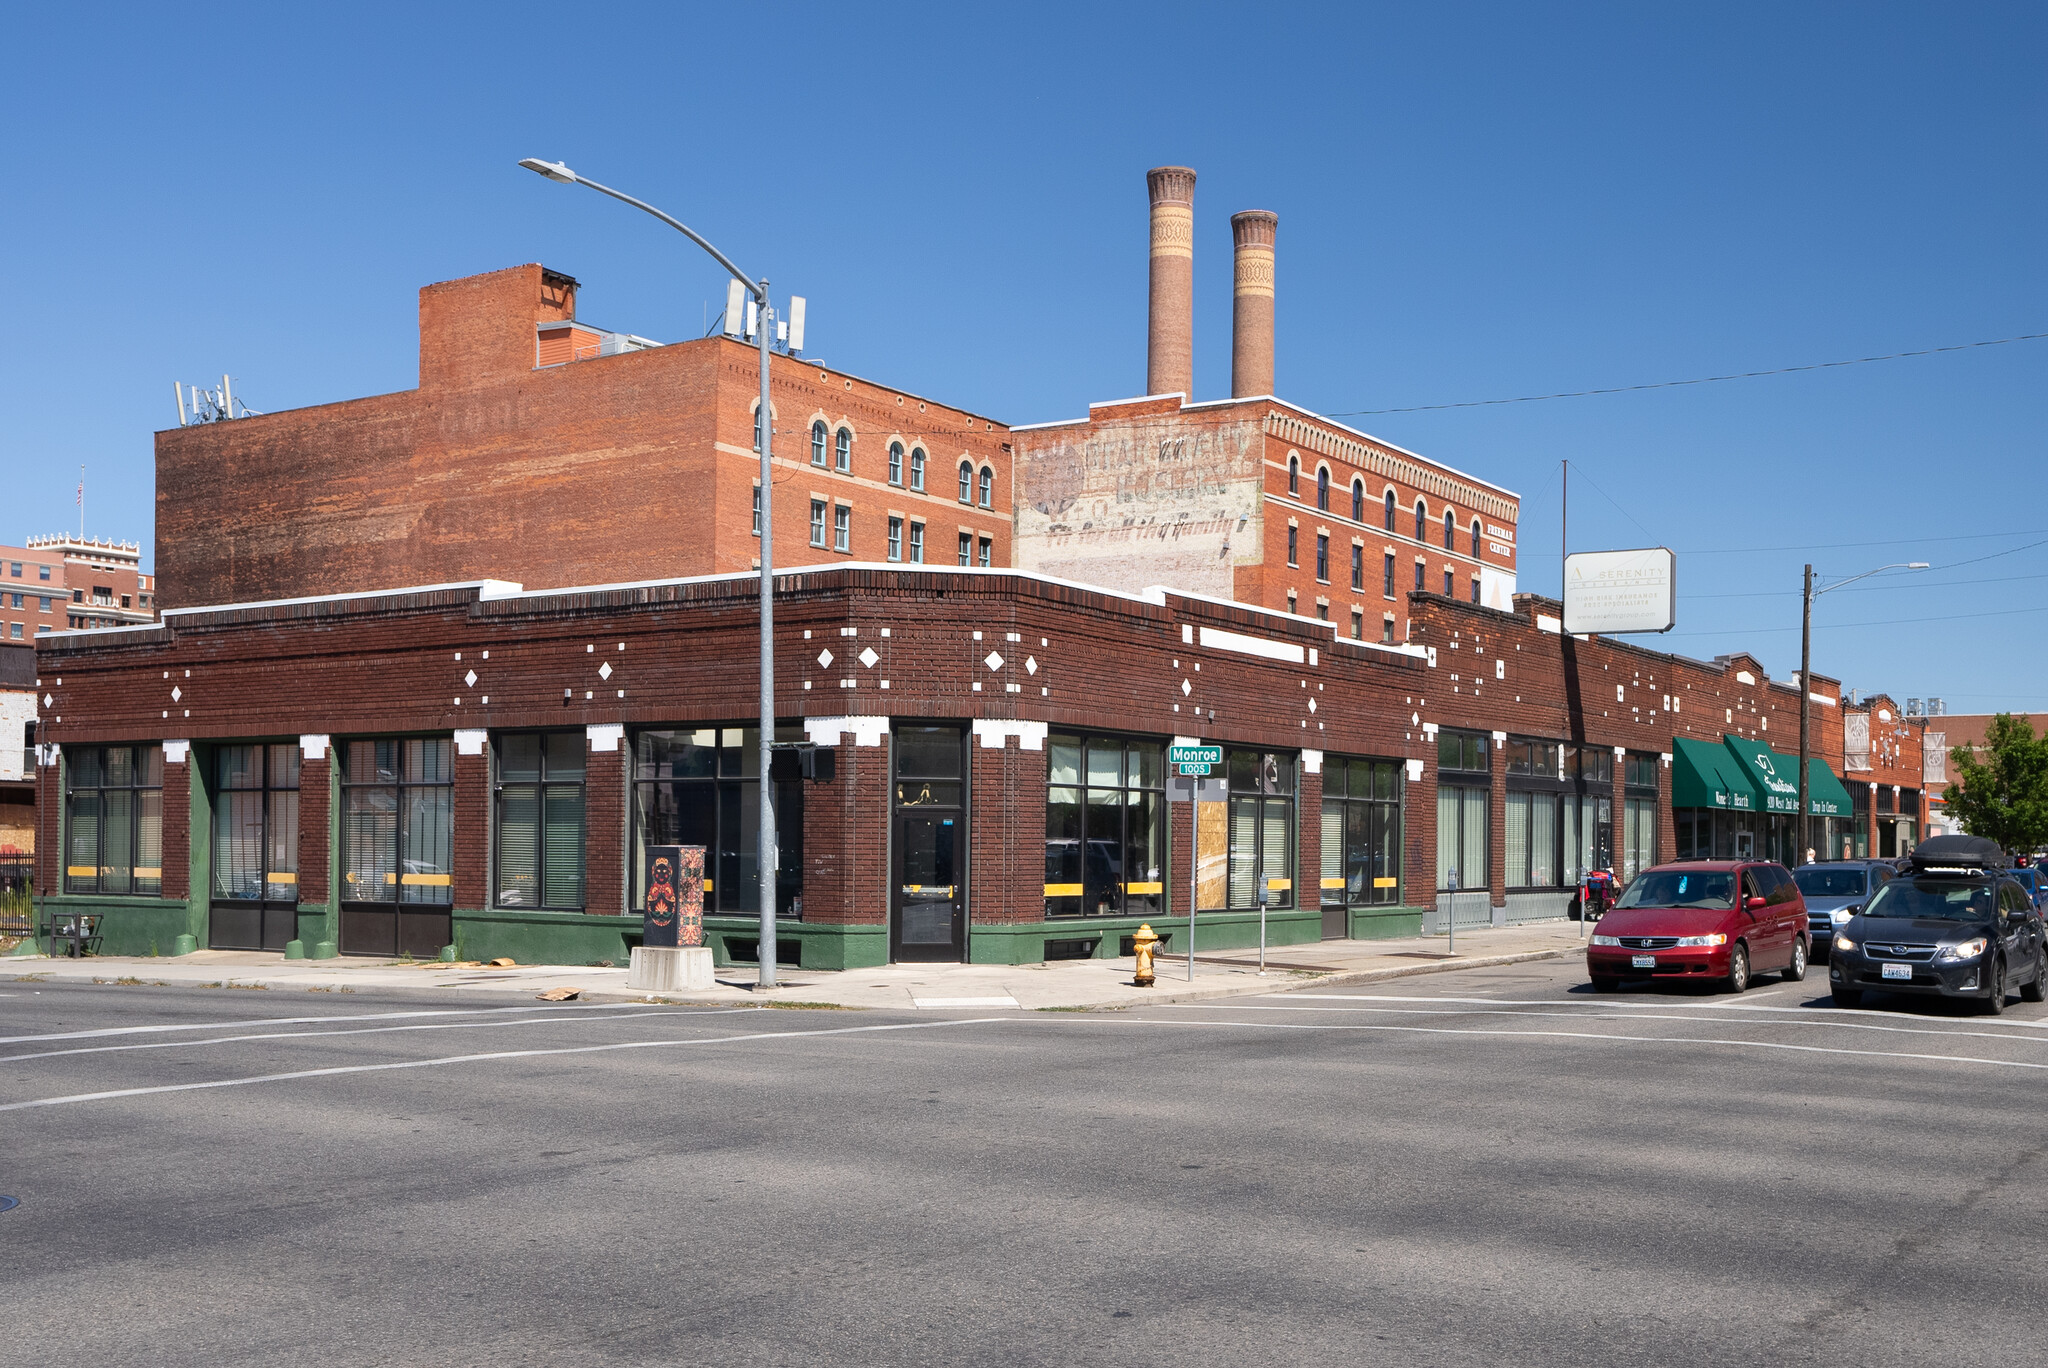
x=1704 y=775
x=1774 y=777
x=1825 y=796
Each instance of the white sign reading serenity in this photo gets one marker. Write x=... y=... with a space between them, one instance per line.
x=1621 y=591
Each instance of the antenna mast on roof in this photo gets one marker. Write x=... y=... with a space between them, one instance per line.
x=213 y=405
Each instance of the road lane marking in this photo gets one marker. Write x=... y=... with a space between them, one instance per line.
x=339 y=1070
x=368 y=1030
x=1004 y=1001
x=1609 y=1003
x=300 y=1020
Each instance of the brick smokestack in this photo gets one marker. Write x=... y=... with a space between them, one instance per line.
x=1251 y=330
x=1170 y=341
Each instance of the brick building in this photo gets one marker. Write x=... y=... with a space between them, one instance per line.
x=17 y=742
x=541 y=449
x=1885 y=763
x=480 y=766
x=1250 y=498
x=1944 y=731
x=64 y=583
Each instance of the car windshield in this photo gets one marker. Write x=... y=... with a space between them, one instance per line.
x=1830 y=883
x=1930 y=896
x=1681 y=888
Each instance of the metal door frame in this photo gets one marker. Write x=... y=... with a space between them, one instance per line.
x=956 y=951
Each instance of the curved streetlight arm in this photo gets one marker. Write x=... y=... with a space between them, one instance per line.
x=1902 y=565
x=555 y=171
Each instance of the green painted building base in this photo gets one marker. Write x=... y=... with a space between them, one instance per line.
x=128 y=926
x=1107 y=937
x=544 y=937
x=1385 y=923
x=802 y=945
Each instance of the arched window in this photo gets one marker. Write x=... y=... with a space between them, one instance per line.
x=1475 y=539
x=1293 y=475
x=1358 y=501
x=1323 y=489
x=817 y=444
x=988 y=487
x=966 y=482
x=1421 y=522
x=846 y=449
x=1450 y=530
x=895 y=463
x=917 y=468
x=1390 y=510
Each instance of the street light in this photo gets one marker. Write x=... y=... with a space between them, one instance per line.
x=1806 y=681
x=765 y=857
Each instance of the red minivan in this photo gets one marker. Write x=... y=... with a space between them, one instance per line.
x=1702 y=920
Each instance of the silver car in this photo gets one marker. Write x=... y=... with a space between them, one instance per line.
x=1835 y=891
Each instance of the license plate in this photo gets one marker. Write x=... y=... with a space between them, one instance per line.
x=1898 y=971
x=1643 y=961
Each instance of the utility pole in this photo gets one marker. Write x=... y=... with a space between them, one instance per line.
x=1805 y=705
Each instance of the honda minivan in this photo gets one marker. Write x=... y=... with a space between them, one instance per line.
x=1703 y=921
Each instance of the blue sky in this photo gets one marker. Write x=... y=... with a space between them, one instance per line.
x=1475 y=202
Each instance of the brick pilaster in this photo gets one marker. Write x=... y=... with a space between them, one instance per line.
x=472 y=830
x=316 y=849
x=177 y=832
x=604 y=830
x=1308 y=869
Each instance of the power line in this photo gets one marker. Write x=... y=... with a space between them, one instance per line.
x=1702 y=380
x=1873 y=589
x=1838 y=546
x=1886 y=622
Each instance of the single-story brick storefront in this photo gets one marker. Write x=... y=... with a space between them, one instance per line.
x=974 y=767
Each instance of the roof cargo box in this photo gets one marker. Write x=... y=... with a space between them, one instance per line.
x=1960 y=852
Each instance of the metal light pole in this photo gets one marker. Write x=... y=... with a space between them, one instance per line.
x=1806 y=682
x=766 y=857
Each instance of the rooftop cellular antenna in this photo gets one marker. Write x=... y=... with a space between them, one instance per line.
x=212 y=405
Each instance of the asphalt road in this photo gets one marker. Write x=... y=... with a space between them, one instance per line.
x=1484 y=1167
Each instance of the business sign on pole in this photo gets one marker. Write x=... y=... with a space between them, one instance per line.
x=1612 y=592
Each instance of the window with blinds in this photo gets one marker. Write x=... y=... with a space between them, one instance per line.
x=701 y=786
x=256 y=823
x=1105 y=827
x=1361 y=832
x=540 y=822
x=114 y=820
x=1462 y=793
x=1261 y=830
x=397 y=821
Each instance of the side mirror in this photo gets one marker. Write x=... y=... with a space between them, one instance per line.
x=1752 y=904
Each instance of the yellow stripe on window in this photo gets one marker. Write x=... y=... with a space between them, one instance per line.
x=151 y=872
x=275 y=877
x=1384 y=883
x=1334 y=883
x=1278 y=885
x=82 y=871
x=426 y=880
x=707 y=885
x=1143 y=888
x=1051 y=890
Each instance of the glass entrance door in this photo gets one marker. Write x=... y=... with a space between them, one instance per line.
x=930 y=898
x=255 y=902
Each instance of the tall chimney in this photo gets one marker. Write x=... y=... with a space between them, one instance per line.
x=1251 y=331
x=1170 y=342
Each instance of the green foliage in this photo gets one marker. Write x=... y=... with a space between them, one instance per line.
x=2006 y=797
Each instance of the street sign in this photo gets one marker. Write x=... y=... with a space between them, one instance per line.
x=1194 y=769
x=1194 y=755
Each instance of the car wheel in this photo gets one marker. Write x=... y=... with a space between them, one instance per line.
x=1796 y=970
x=1847 y=997
x=1994 y=1001
x=2036 y=988
x=1604 y=984
x=1738 y=970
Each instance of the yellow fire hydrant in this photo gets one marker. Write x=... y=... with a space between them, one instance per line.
x=1142 y=944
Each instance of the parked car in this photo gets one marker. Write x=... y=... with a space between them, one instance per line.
x=1703 y=921
x=2030 y=877
x=1959 y=926
x=1835 y=891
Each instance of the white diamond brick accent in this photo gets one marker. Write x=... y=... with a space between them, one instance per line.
x=1031 y=665
x=1186 y=688
x=993 y=661
x=604 y=671
x=868 y=657
x=824 y=660
x=470 y=678
x=176 y=694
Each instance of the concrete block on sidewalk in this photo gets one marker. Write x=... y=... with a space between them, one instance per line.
x=670 y=969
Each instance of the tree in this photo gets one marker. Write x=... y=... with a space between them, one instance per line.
x=2005 y=799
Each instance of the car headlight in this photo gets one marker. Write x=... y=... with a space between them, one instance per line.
x=1968 y=950
x=1844 y=943
x=1718 y=938
x=1840 y=916
x=1606 y=940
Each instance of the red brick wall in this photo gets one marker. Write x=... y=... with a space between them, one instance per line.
x=177 y=879
x=1007 y=827
x=1308 y=824
x=627 y=467
x=472 y=830
x=604 y=889
x=316 y=847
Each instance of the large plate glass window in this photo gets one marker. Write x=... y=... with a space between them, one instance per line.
x=1105 y=827
x=397 y=845
x=1361 y=833
x=1638 y=815
x=1252 y=833
x=255 y=847
x=114 y=819
x=540 y=821
x=1462 y=791
x=702 y=786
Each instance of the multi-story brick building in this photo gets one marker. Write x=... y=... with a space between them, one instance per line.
x=1884 y=763
x=64 y=583
x=1250 y=498
x=1942 y=732
x=542 y=449
x=17 y=741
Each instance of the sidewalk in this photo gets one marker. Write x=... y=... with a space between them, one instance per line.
x=1068 y=985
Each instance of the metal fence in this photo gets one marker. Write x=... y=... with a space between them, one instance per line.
x=17 y=889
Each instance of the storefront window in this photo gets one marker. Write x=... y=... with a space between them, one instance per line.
x=703 y=787
x=1639 y=816
x=1361 y=832
x=540 y=820
x=256 y=823
x=397 y=821
x=1261 y=828
x=114 y=819
x=1461 y=798
x=1105 y=827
